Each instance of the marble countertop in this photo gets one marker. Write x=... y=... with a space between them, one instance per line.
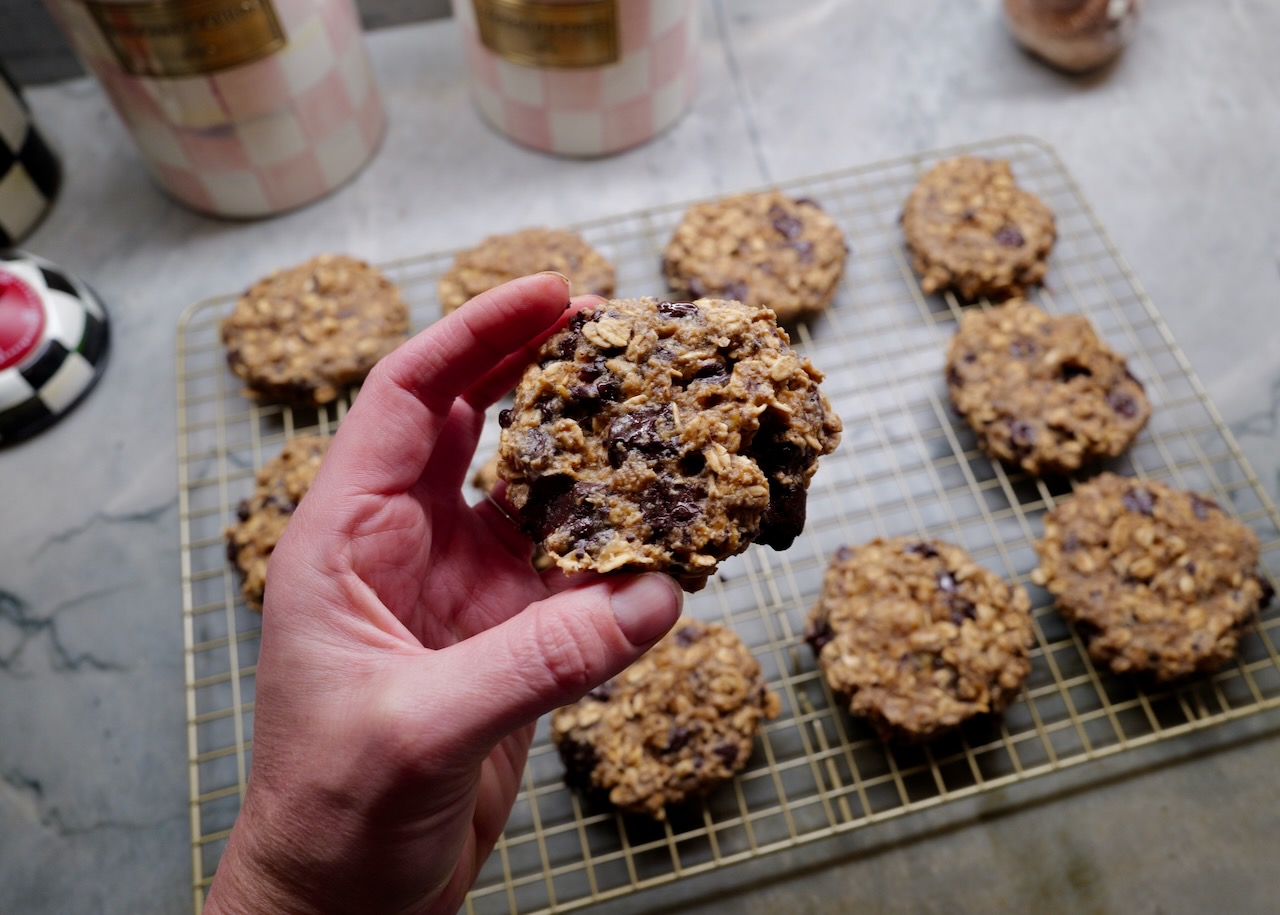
x=1174 y=146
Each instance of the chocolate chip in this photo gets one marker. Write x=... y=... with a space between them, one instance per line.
x=242 y=510
x=946 y=581
x=233 y=550
x=558 y=504
x=953 y=377
x=1071 y=370
x=678 y=309
x=687 y=635
x=961 y=610
x=727 y=752
x=504 y=419
x=1022 y=434
x=1201 y=506
x=818 y=636
x=1139 y=499
x=923 y=548
x=1123 y=404
x=561 y=347
x=1010 y=237
x=1022 y=347
x=785 y=223
x=1268 y=592
x=678 y=738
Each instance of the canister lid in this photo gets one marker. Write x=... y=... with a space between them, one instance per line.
x=54 y=338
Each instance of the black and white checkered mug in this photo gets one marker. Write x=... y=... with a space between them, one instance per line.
x=29 y=169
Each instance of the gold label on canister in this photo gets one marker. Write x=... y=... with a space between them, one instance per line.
x=188 y=37
x=566 y=35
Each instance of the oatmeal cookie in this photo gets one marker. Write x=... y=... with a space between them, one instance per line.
x=917 y=638
x=280 y=486
x=1042 y=392
x=665 y=436
x=972 y=229
x=303 y=334
x=1156 y=579
x=674 y=725
x=500 y=258
x=762 y=249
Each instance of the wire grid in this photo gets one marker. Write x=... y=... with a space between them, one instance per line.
x=906 y=466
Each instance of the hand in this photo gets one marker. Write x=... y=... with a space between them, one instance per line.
x=408 y=645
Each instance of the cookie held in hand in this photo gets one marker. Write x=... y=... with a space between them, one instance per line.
x=665 y=436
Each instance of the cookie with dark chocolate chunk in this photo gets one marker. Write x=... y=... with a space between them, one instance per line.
x=1156 y=579
x=500 y=258
x=917 y=638
x=762 y=249
x=970 y=228
x=665 y=436
x=261 y=519
x=1042 y=392
x=673 y=726
x=303 y=334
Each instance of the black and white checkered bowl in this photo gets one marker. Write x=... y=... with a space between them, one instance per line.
x=54 y=339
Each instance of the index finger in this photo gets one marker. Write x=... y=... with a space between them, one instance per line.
x=389 y=434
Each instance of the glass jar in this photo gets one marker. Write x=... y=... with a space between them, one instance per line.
x=240 y=108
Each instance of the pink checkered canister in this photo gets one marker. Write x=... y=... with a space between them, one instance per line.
x=580 y=77
x=240 y=108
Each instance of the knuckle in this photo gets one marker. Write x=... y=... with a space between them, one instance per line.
x=569 y=649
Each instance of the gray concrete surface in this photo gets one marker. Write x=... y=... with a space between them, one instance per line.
x=1174 y=146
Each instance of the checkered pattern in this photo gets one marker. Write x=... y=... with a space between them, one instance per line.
x=67 y=360
x=596 y=110
x=256 y=139
x=29 y=171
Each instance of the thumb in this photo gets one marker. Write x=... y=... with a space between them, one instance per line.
x=554 y=651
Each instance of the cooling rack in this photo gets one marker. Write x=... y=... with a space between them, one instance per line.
x=906 y=466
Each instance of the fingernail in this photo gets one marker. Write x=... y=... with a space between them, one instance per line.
x=564 y=279
x=646 y=607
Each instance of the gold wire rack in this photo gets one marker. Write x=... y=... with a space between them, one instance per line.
x=906 y=466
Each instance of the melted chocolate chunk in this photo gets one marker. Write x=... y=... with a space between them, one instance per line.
x=579 y=760
x=784 y=518
x=819 y=636
x=1071 y=370
x=1139 y=499
x=727 y=752
x=639 y=432
x=1123 y=404
x=1022 y=434
x=242 y=510
x=678 y=309
x=678 y=738
x=786 y=224
x=667 y=505
x=1010 y=237
x=1201 y=506
x=687 y=635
